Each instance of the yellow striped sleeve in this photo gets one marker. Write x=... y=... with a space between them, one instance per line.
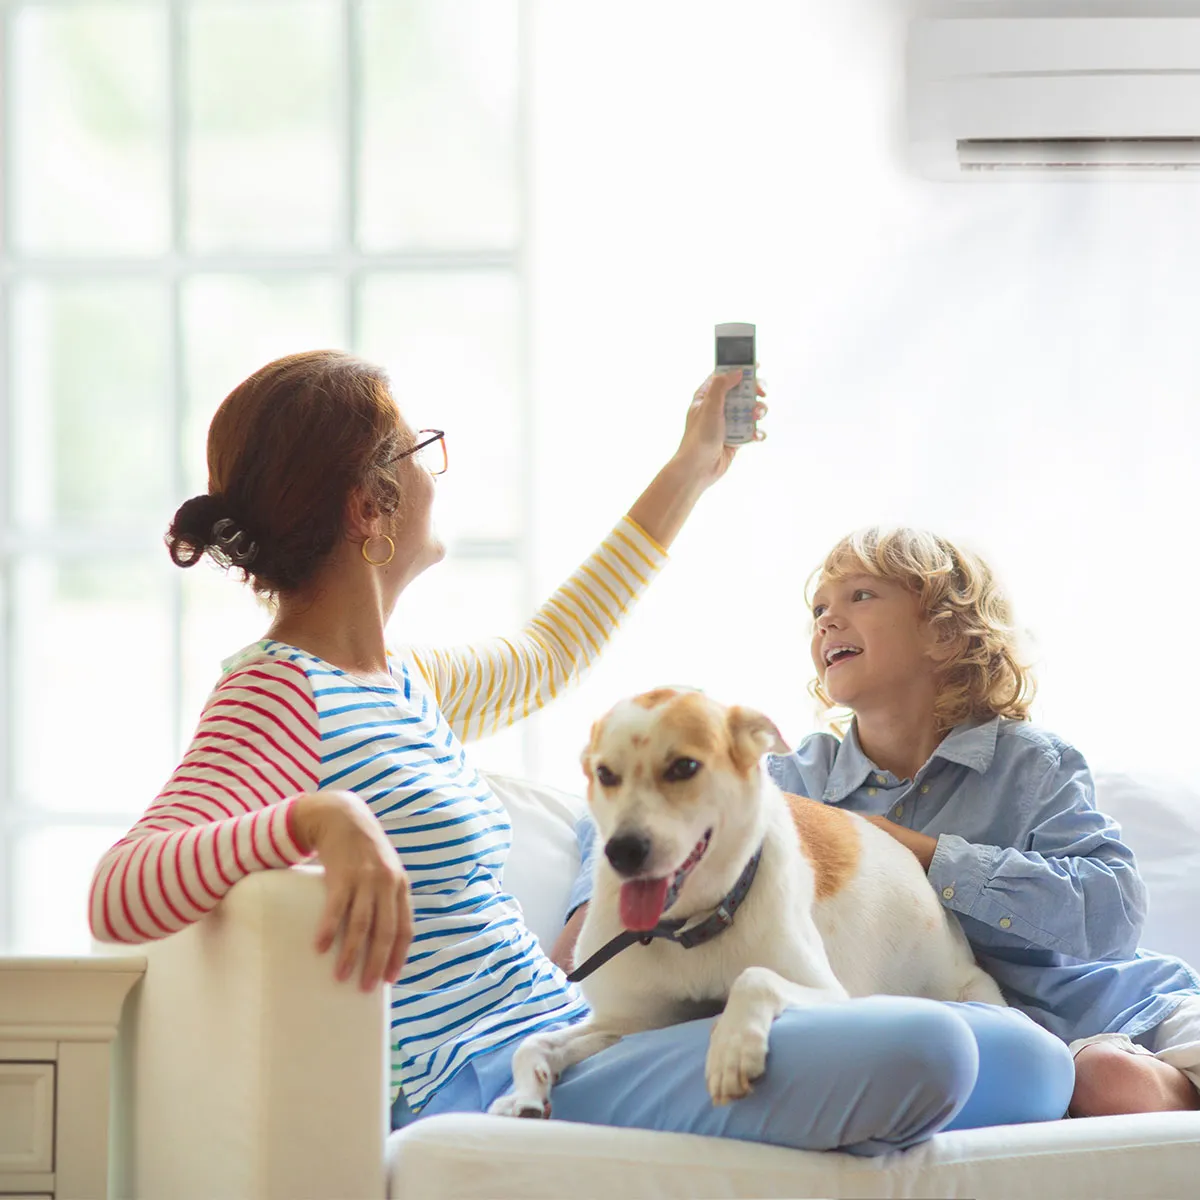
x=484 y=687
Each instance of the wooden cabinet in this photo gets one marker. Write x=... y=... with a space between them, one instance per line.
x=58 y=1019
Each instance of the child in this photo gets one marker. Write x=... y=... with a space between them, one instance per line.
x=913 y=637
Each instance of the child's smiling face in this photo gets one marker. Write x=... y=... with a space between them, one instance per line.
x=870 y=642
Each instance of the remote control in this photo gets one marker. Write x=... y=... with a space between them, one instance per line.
x=735 y=349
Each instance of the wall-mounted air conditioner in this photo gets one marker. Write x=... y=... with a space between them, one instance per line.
x=1054 y=97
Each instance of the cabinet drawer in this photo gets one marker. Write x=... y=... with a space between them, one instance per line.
x=26 y=1117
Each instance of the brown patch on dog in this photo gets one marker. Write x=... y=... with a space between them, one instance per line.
x=696 y=726
x=655 y=698
x=828 y=840
x=638 y=739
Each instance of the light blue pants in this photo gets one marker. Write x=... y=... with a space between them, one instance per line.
x=868 y=1076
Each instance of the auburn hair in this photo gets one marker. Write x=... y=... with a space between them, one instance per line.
x=285 y=449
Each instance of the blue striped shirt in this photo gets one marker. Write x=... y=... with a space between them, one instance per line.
x=282 y=722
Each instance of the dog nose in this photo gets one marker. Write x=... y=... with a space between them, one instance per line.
x=628 y=852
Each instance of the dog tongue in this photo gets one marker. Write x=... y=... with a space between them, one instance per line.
x=642 y=902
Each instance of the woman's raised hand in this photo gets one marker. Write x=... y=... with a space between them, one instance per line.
x=702 y=458
x=703 y=445
x=366 y=885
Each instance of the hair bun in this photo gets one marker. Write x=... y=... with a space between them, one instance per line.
x=203 y=525
x=233 y=543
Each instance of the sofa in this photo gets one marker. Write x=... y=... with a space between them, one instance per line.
x=245 y=1072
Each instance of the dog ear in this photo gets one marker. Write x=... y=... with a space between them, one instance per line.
x=585 y=759
x=751 y=735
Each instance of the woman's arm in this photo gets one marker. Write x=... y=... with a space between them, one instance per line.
x=484 y=687
x=244 y=799
x=702 y=458
x=226 y=811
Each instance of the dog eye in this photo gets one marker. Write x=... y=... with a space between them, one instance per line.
x=680 y=769
x=606 y=777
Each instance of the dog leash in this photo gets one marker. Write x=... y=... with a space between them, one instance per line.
x=673 y=931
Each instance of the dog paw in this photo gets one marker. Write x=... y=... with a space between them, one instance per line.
x=516 y=1105
x=737 y=1056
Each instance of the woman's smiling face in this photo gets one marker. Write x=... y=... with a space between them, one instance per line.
x=869 y=639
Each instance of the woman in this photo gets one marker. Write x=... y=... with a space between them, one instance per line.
x=318 y=740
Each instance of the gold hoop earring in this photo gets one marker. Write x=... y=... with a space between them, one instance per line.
x=379 y=562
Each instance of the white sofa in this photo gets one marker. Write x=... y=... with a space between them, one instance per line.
x=246 y=1073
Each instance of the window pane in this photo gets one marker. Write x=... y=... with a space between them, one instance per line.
x=451 y=343
x=91 y=683
x=439 y=158
x=89 y=117
x=232 y=326
x=52 y=875
x=467 y=600
x=92 y=403
x=459 y=600
x=263 y=164
x=220 y=616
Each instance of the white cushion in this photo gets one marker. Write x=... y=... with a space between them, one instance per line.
x=1160 y=821
x=471 y=1157
x=544 y=858
x=244 y=1069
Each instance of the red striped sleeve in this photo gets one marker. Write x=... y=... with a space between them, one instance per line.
x=224 y=812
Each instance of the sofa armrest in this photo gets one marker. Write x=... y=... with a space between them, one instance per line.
x=243 y=1067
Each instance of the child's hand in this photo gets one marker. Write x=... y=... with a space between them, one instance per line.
x=921 y=844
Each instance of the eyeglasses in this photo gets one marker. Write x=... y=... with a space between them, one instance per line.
x=430 y=451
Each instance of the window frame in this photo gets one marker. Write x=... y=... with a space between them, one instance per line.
x=345 y=264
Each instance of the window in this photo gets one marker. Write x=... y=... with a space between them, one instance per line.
x=191 y=188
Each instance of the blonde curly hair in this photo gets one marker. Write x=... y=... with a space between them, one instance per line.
x=985 y=675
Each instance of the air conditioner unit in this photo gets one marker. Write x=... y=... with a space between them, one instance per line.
x=1054 y=97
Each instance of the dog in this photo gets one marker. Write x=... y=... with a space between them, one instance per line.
x=835 y=906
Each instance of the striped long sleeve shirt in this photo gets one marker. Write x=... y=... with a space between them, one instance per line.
x=281 y=722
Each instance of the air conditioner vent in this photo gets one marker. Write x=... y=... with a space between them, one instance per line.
x=1079 y=154
x=1051 y=98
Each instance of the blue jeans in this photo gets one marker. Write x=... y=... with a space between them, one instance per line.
x=868 y=1076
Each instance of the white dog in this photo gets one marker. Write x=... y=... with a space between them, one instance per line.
x=832 y=907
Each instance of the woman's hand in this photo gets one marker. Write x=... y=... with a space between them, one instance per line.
x=702 y=458
x=366 y=885
x=703 y=447
x=921 y=844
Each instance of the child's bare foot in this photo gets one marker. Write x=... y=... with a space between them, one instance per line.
x=1110 y=1080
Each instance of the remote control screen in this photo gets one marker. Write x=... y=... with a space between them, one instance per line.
x=735 y=351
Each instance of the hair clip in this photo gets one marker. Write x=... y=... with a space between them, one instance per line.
x=230 y=543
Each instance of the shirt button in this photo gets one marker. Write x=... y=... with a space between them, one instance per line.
x=872 y=791
x=924 y=789
x=1005 y=922
x=899 y=810
x=880 y=779
x=947 y=893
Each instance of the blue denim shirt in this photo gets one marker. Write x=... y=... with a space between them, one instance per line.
x=1041 y=882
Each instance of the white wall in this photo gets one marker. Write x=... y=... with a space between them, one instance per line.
x=1015 y=365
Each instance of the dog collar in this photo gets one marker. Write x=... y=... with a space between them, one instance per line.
x=716 y=922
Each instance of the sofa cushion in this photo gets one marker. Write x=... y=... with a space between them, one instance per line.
x=1160 y=821
x=544 y=858
x=470 y=1157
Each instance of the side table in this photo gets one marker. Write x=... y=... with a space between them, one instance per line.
x=58 y=1021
